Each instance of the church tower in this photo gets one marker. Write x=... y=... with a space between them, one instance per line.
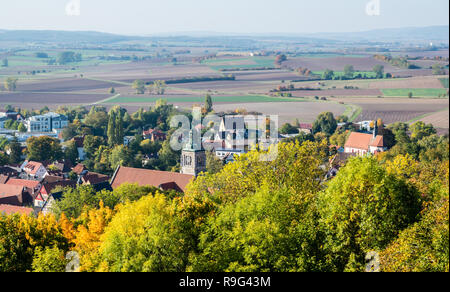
x=193 y=159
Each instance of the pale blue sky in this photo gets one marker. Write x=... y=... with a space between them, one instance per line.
x=236 y=16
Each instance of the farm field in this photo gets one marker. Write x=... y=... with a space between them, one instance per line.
x=392 y=110
x=417 y=92
x=199 y=99
x=288 y=112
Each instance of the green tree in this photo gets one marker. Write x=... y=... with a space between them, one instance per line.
x=379 y=71
x=423 y=247
x=325 y=123
x=328 y=74
x=139 y=86
x=15 y=151
x=44 y=148
x=22 y=128
x=10 y=84
x=208 y=103
x=349 y=71
x=49 y=260
x=71 y=152
x=5 y=63
x=363 y=209
x=419 y=130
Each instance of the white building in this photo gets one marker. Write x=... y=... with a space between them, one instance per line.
x=47 y=123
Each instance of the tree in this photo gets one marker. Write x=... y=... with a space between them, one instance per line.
x=71 y=152
x=22 y=128
x=419 y=130
x=15 y=151
x=328 y=74
x=139 y=86
x=288 y=129
x=49 y=260
x=91 y=144
x=208 y=103
x=68 y=57
x=363 y=209
x=10 y=84
x=5 y=63
x=112 y=90
x=379 y=71
x=44 y=148
x=213 y=164
x=280 y=59
x=149 y=227
x=423 y=247
x=349 y=71
x=325 y=123
x=21 y=236
x=410 y=94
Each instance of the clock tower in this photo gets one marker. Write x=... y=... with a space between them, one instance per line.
x=193 y=159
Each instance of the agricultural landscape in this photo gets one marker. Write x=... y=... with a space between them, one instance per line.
x=412 y=84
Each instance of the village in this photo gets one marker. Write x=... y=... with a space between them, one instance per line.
x=32 y=187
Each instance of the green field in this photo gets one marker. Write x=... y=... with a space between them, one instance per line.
x=417 y=92
x=444 y=82
x=201 y=99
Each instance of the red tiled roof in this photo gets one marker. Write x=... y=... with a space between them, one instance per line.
x=10 y=209
x=32 y=184
x=145 y=177
x=363 y=141
x=95 y=178
x=11 y=194
x=79 y=168
x=377 y=142
x=32 y=167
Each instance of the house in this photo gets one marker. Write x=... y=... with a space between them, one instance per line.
x=305 y=128
x=47 y=206
x=98 y=181
x=34 y=169
x=164 y=180
x=30 y=188
x=154 y=135
x=48 y=122
x=361 y=143
x=11 y=195
x=11 y=210
x=48 y=188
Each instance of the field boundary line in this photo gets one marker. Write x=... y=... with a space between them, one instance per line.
x=105 y=100
x=426 y=115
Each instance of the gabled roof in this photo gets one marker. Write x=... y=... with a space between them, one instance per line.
x=79 y=168
x=363 y=141
x=11 y=194
x=32 y=167
x=32 y=184
x=145 y=177
x=94 y=178
x=10 y=210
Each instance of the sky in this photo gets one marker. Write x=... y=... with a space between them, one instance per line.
x=149 y=17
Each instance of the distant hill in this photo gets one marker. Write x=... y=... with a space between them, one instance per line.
x=430 y=33
x=53 y=36
x=412 y=34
